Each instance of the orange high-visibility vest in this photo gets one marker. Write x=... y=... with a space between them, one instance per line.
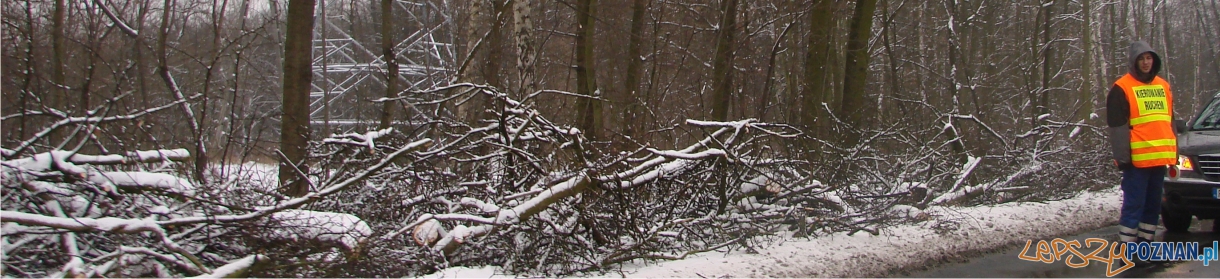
x=1153 y=142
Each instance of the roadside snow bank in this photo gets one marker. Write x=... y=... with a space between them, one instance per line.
x=864 y=255
x=950 y=232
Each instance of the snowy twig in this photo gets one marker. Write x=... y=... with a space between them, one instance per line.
x=90 y=120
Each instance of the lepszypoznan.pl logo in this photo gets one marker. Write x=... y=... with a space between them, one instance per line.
x=1117 y=256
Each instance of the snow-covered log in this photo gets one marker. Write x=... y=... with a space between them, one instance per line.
x=295 y=224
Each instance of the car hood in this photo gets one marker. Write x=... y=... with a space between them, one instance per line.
x=1199 y=142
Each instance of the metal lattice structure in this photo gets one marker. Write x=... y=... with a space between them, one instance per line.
x=349 y=72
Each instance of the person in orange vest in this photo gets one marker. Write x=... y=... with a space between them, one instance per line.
x=1139 y=113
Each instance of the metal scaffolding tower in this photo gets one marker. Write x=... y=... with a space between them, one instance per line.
x=348 y=74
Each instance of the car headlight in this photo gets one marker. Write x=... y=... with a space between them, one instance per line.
x=1184 y=163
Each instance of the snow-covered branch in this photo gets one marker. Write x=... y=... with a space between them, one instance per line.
x=307 y=198
x=956 y=196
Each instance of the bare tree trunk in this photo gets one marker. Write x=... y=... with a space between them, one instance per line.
x=1167 y=42
x=294 y=129
x=632 y=123
x=29 y=76
x=855 y=73
x=1131 y=14
x=1086 y=89
x=523 y=32
x=954 y=136
x=722 y=64
x=1113 y=39
x=326 y=85
x=1043 y=107
x=58 y=56
x=475 y=36
x=891 y=73
x=764 y=102
x=589 y=109
x=817 y=62
x=172 y=85
x=391 y=62
x=201 y=152
x=492 y=74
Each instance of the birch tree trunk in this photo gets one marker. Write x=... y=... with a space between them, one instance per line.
x=523 y=32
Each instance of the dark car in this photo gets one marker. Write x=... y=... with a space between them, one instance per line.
x=1193 y=187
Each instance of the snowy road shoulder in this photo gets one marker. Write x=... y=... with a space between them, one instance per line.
x=950 y=232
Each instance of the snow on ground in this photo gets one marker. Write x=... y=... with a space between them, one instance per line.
x=961 y=230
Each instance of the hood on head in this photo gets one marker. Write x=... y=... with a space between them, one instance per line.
x=1138 y=48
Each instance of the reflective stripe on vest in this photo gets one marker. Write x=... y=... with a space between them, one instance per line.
x=1153 y=142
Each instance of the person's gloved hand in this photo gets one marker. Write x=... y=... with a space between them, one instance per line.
x=1123 y=166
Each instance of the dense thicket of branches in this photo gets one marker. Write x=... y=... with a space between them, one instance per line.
x=551 y=137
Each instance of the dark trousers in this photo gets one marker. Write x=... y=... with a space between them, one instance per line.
x=1141 y=202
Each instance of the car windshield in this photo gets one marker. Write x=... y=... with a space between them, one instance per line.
x=1209 y=119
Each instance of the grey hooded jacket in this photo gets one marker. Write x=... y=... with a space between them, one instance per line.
x=1118 y=113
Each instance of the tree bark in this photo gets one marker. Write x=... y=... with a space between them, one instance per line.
x=954 y=137
x=1086 y=90
x=58 y=56
x=1167 y=42
x=722 y=64
x=294 y=129
x=1047 y=47
x=391 y=62
x=476 y=34
x=887 y=36
x=817 y=63
x=855 y=73
x=589 y=106
x=523 y=32
x=764 y=102
x=495 y=49
x=632 y=123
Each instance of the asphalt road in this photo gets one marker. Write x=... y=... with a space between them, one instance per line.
x=1005 y=262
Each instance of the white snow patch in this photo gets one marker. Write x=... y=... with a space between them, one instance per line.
x=865 y=255
x=467 y=272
